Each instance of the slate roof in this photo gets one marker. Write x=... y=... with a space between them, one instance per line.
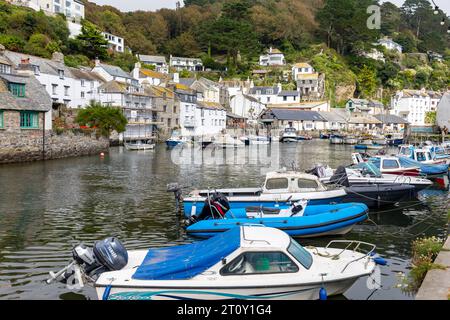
x=302 y=65
x=152 y=59
x=363 y=120
x=210 y=105
x=390 y=119
x=36 y=97
x=115 y=71
x=295 y=115
x=290 y=93
x=275 y=90
x=114 y=87
x=187 y=81
x=86 y=75
x=152 y=74
x=46 y=66
x=333 y=116
x=158 y=91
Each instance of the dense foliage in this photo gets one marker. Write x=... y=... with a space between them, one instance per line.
x=104 y=119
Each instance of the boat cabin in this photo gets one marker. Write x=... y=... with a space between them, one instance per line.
x=291 y=182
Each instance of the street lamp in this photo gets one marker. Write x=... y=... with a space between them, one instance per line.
x=436 y=8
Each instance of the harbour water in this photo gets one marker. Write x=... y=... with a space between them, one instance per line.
x=47 y=207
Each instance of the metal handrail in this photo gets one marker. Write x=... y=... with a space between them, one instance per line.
x=349 y=244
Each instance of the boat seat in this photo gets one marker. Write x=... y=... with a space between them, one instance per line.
x=263 y=209
x=248 y=268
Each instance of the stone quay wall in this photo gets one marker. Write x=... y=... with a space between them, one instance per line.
x=33 y=145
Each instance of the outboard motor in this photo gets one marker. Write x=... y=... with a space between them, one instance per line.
x=106 y=255
x=340 y=177
x=215 y=207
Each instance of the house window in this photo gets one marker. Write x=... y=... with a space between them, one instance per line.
x=1 y=118
x=54 y=87
x=29 y=120
x=82 y=94
x=174 y=109
x=169 y=122
x=17 y=89
x=82 y=82
x=284 y=98
x=66 y=90
x=165 y=108
x=37 y=70
x=4 y=68
x=61 y=74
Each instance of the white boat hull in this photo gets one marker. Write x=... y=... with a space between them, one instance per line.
x=291 y=292
x=139 y=147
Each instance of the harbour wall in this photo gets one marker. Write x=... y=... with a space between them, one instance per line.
x=436 y=285
x=35 y=145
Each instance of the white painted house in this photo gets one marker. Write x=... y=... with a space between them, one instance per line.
x=110 y=73
x=246 y=106
x=158 y=61
x=70 y=8
x=115 y=43
x=389 y=44
x=188 y=106
x=443 y=112
x=211 y=118
x=412 y=105
x=189 y=64
x=266 y=95
x=148 y=77
x=85 y=87
x=273 y=57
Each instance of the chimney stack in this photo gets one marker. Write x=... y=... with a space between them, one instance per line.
x=58 y=57
x=25 y=67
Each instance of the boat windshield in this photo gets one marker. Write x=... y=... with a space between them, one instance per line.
x=369 y=168
x=300 y=254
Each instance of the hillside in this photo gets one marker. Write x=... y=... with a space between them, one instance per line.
x=230 y=34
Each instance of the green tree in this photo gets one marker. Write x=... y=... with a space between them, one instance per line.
x=231 y=32
x=37 y=45
x=104 y=119
x=430 y=117
x=13 y=43
x=91 y=42
x=367 y=82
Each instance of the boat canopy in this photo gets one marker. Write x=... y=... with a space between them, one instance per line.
x=425 y=168
x=186 y=261
x=369 y=168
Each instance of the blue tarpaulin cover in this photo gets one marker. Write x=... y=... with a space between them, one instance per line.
x=187 y=261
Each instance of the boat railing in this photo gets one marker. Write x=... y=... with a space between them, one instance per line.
x=253 y=240
x=353 y=245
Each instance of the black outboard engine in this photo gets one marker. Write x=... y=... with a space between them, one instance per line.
x=106 y=255
x=215 y=207
x=340 y=177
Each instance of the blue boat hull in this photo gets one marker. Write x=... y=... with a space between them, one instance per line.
x=187 y=205
x=317 y=221
x=360 y=147
x=172 y=143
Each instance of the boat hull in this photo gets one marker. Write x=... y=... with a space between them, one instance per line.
x=378 y=195
x=195 y=206
x=281 y=292
x=327 y=220
x=173 y=143
x=288 y=139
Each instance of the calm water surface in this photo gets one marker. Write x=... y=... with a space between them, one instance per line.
x=47 y=207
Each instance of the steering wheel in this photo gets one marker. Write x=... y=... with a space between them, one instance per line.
x=238 y=265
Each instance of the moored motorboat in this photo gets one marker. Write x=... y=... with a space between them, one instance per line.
x=138 y=145
x=280 y=187
x=336 y=139
x=289 y=135
x=350 y=140
x=246 y=262
x=368 y=173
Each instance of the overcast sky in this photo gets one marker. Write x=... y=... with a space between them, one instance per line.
x=132 y=5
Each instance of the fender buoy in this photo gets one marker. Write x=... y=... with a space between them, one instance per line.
x=323 y=294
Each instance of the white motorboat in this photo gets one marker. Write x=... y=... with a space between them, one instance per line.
x=289 y=135
x=227 y=141
x=246 y=262
x=350 y=140
x=280 y=188
x=138 y=145
x=366 y=172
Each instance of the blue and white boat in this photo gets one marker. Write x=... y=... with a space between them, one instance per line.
x=175 y=140
x=298 y=220
x=280 y=189
x=246 y=262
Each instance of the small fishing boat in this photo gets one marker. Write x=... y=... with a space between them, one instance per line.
x=289 y=135
x=258 y=140
x=379 y=139
x=304 y=137
x=324 y=136
x=139 y=145
x=350 y=140
x=175 y=140
x=227 y=141
x=297 y=220
x=368 y=173
x=394 y=139
x=368 y=147
x=390 y=165
x=424 y=155
x=245 y=262
x=280 y=187
x=336 y=139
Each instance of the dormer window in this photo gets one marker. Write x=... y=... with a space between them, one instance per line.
x=61 y=74
x=17 y=89
x=4 y=68
x=37 y=70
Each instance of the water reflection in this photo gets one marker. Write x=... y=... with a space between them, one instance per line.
x=48 y=207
